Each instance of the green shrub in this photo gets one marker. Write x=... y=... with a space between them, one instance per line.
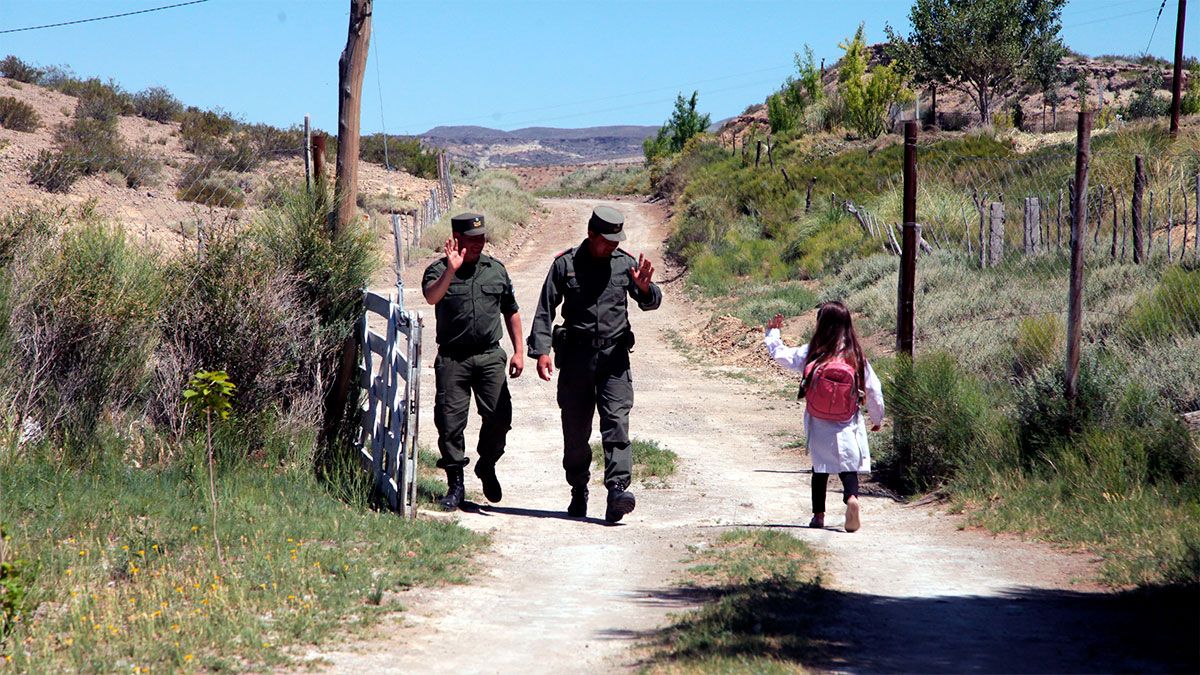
x=139 y=167
x=270 y=141
x=201 y=130
x=82 y=316
x=157 y=104
x=214 y=189
x=14 y=587
x=1038 y=342
x=403 y=152
x=94 y=144
x=20 y=226
x=1171 y=310
x=54 y=171
x=701 y=224
x=18 y=115
x=498 y=195
x=791 y=299
x=14 y=68
x=1043 y=416
x=944 y=421
x=98 y=100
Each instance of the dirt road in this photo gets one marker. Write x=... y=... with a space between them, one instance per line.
x=913 y=592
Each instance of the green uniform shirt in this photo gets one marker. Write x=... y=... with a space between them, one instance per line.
x=468 y=315
x=593 y=293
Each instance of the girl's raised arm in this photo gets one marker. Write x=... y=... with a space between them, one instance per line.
x=791 y=358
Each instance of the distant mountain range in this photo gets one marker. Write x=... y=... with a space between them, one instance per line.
x=537 y=146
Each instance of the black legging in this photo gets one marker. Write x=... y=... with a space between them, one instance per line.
x=821 y=480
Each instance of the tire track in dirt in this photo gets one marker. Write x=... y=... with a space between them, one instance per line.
x=911 y=591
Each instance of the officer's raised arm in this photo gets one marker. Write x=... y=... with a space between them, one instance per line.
x=645 y=292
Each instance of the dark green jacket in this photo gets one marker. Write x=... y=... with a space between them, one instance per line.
x=593 y=293
x=468 y=315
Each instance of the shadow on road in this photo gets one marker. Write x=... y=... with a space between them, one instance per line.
x=531 y=513
x=1018 y=631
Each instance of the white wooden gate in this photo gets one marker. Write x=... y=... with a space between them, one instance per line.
x=390 y=377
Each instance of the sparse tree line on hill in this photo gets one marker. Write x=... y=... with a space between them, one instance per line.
x=993 y=51
x=90 y=142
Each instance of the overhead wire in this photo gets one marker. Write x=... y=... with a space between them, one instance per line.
x=103 y=18
x=1153 y=30
x=379 y=87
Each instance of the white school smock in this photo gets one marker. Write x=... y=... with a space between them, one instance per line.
x=833 y=446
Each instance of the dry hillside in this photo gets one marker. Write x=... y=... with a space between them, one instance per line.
x=153 y=211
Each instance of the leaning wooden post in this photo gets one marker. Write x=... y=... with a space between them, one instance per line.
x=1078 y=235
x=351 y=66
x=1139 y=185
x=1112 y=253
x=808 y=194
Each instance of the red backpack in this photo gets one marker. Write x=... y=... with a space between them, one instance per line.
x=832 y=388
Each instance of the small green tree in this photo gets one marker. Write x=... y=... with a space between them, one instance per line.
x=1083 y=89
x=684 y=123
x=781 y=116
x=211 y=392
x=785 y=108
x=867 y=95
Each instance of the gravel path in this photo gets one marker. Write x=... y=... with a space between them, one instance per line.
x=912 y=591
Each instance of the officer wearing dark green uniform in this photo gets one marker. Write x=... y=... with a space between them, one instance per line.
x=470 y=292
x=591 y=350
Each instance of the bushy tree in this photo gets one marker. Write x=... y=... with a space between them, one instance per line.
x=866 y=95
x=982 y=47
x=684 y=123
x=786 y=107
x=1145 y=101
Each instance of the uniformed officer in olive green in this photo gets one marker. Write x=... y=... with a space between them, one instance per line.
x=470 y=293
x=591 y=350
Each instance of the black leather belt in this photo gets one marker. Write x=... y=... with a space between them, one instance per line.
x=593 y=341
x=460 y=351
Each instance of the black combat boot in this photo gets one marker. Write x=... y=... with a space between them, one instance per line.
x=486 y=472
x=620 y=502
x=578 y=507
x=454 y=489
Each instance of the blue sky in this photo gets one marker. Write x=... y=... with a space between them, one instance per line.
x=499 y=64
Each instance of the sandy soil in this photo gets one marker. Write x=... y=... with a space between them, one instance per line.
x=913 y=590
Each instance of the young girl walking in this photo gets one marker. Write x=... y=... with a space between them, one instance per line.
x=836 y=379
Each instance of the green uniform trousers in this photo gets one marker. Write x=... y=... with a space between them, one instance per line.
x=457 y=376
x=591 y=379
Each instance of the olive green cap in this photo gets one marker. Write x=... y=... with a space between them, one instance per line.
x=609 y=222
x=468 y=225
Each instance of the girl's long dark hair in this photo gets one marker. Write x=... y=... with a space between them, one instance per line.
x=835 y=336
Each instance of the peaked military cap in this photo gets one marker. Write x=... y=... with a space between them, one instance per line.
x=468 y=225
x=609 y=222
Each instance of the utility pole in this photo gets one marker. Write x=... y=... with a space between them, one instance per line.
x=1177 y=80
x=351 y=67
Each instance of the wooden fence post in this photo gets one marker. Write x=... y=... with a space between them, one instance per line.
x=1150 y=226
x=1078 y=234
x=911 y=235
x=996 y=233
x=1112 y=252
x=1196 y=246
x=1186 y=222
x=1033 y=227
x=1139 y=185
x=307 y=153
x=808 y=194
